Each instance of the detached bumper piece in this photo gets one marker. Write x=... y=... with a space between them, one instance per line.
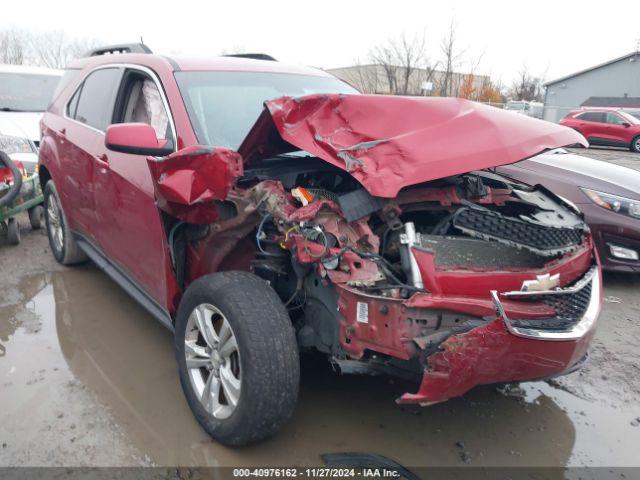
x=576 y=307
x=541 y=239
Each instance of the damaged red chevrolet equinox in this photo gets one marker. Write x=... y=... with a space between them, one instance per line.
x=258 y=210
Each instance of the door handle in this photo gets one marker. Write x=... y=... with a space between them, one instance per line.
x=103 y=161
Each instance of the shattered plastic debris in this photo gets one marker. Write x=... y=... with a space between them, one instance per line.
x=612 y=299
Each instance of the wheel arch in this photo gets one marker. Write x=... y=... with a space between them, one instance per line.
x=43 y=176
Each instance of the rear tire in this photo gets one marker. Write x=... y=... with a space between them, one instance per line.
x=63 y=246
x=267 y=367
x=36 y=216
x=635 y=144
x=13 y=231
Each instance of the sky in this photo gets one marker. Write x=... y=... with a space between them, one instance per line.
x=552 y=38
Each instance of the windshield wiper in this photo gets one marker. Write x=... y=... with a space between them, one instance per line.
x=9 y=109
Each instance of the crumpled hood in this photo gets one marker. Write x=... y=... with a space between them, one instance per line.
x=390 y=142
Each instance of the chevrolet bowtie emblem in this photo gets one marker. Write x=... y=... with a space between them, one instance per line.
x=541 y=283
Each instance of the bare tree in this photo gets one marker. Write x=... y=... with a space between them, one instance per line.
x=527 y=86
x=404 y=63
x=12 y=47
x=365 y=77
x=383 y=55
x=54 y=49
x=450 y=61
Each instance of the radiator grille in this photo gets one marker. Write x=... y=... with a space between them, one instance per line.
x=544 y=240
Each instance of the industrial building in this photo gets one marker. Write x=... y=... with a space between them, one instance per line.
x=611 y=84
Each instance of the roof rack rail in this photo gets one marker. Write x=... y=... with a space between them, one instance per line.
x=254 y=56
x=120 y=48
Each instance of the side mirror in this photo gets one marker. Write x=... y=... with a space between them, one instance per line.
x=137 y=139
x=626 y=124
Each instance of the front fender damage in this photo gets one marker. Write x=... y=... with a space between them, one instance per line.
x=189 y=180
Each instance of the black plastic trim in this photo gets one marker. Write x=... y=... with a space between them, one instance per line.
x=172 y=62
x=606 y=142
x=119 y=48
x=252 y=56
x=149 y=152
x=125 y=281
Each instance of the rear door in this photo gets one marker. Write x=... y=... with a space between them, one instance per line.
x=592 y=125
x=130 y=227
x=81 y=143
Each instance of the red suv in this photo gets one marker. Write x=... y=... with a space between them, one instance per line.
x=258 y=210
x=606 y=126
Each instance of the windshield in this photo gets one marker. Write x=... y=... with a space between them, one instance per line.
x=223 y=106
x=26 y=92
x=634 y=113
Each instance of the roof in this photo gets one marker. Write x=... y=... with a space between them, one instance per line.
x=184 y=63
x=586 y=70
x=613 y=102
x=5 y=68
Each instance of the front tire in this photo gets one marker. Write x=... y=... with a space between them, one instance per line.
x=63 y=246
x=237 y=357
x=635 y=144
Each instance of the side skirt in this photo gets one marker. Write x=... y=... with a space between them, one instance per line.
x=125 y=281
x=604 y=142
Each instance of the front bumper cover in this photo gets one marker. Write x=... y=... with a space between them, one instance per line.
x=569 y=329
x=501 y=351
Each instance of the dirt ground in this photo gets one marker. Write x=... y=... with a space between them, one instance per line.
x=87 y=378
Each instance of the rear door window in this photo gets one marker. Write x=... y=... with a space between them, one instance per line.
x=592 y=117
x=96 y=98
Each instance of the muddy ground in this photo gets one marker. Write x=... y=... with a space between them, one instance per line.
x=87 y=378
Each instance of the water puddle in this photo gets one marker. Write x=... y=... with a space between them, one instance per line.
x=80 y=360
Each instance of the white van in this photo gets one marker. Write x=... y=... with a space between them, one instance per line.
x=25 y=93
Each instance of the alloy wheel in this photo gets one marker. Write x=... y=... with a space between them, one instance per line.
x=54 y=217
x=213 y=361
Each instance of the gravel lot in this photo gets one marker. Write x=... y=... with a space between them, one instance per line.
x=87 y=378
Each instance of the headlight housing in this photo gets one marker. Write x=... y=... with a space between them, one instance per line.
x=615 y=203
x=10 y=144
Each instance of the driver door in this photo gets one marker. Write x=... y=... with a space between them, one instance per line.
x=131 y=230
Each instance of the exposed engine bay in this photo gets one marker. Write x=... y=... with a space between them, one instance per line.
x=374 y=283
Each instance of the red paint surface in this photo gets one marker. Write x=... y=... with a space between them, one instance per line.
x=390 y=142
x=490 y=354
x=189 y=180
x=5 y=174
x=139 y=135
x=465 y=281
